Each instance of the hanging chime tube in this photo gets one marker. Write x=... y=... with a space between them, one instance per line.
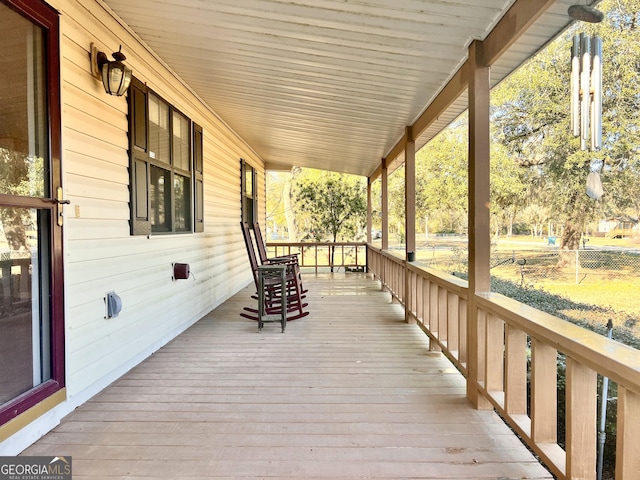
x=585 y=88
x=575 y=86
x=586 y=91
x=596 y=85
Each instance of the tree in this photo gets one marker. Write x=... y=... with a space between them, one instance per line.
x=508 y=189
x=397 y=212
x=280 y=210
x=20 y=174
x=530 y=117
x=334 y=204
x=442 y=180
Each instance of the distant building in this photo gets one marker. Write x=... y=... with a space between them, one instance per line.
x=619 y=227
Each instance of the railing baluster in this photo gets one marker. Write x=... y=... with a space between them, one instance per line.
x=434 y=320
x=419 y=299
x=515 y=371
x=580 y=421
x=433 y=307
x=356 y=253
x=544 y=379
x=443 y=315
x=480 y=346
x=408 y=297
x=462 y=315
x=494 y=357
x=628 y=433
x=400 y=282
x=426 y=300
x=453 y=323
x=414 y=292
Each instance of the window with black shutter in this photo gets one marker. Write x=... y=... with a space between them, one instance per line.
x=166 y=166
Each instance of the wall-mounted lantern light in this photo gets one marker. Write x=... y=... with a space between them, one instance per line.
x=115 y=75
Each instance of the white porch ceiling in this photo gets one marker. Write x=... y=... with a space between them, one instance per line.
x=327 y=84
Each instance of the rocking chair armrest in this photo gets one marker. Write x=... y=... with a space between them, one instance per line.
x=283 y=259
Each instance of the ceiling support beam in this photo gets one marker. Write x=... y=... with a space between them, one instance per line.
x=521 y=15
x=377 y=174
x=511 y=27
x=396 y=151
x=451 y=91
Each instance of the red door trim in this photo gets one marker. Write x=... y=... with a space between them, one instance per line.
x=47 y=18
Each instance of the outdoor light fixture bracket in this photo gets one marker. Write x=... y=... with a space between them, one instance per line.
x=115 y=75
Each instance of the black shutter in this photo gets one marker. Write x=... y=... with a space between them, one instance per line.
x=139 y=163
x=243 y=217
x=254 y=200
x=198 y=164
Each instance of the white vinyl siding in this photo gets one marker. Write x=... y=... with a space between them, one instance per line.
x=100 y=253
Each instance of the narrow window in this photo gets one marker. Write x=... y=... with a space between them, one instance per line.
x=248 y=181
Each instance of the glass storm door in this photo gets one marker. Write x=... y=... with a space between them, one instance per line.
x=31 y=323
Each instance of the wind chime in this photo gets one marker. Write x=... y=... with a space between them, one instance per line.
x=586 y=122
x=586 y=91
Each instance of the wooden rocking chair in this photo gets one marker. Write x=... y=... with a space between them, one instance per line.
x=264 y=260
x=273 y=293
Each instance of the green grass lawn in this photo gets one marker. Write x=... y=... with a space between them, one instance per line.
x=606 y=285
x=600 y=281
x=620 y=295
x=586 y=313
x=604 y=288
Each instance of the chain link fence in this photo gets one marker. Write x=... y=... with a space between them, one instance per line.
x=573 y=266
x=537 y=265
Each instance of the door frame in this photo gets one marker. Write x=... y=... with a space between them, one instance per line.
x=46 y=18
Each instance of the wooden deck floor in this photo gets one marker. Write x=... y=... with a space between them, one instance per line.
x=348 y=392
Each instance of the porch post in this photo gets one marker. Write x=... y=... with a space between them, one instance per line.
x=410 y=192
x=478 y=221
x=410 y=219
x=369 y=207
x=385 y=205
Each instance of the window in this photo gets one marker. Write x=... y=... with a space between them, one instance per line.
x=248 y=181
x=167 y=194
